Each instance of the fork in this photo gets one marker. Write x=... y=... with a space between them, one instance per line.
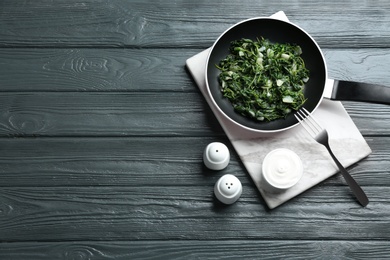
x=321 y=136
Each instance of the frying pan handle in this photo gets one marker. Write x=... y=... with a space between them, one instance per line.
x=358 y=91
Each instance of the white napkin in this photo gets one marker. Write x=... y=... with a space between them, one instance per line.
x=345 y=139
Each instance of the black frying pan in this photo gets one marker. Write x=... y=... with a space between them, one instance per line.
x=275 y=31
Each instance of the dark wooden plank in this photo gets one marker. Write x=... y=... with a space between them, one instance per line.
x=371 y=119
x=134 y=114
x=51 y=162
x=118 y=69
x=188 y=212
x=105 y=161
x=365 y=65
x=95 y=70
x=168 y=23
x=101 y=173
x=195 y=249
x=106 y=114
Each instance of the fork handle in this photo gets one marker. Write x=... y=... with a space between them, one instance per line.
x=356 y=189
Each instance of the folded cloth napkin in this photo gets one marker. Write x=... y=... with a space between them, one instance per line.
x=346 y=141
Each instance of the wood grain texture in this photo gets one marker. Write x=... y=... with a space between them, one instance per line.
x=157 y=212
x=183 y=24
x=102 y=131
x=105 y=114
x=195 y=249
x=94 y=69
x=134 y=114
x=70 y=182
x=51 y=162
x=89 y=69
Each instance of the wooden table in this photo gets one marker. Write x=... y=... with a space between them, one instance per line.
x=102 y=133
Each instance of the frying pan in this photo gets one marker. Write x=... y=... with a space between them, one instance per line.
x=276 y=31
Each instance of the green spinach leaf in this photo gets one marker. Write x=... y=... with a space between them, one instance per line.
x=263 y=80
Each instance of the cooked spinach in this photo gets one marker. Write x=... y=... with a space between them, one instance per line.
x=263 y=80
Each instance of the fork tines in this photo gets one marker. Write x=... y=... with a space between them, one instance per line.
x=308 y=122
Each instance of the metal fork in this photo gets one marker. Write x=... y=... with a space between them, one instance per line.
x=321 y=136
